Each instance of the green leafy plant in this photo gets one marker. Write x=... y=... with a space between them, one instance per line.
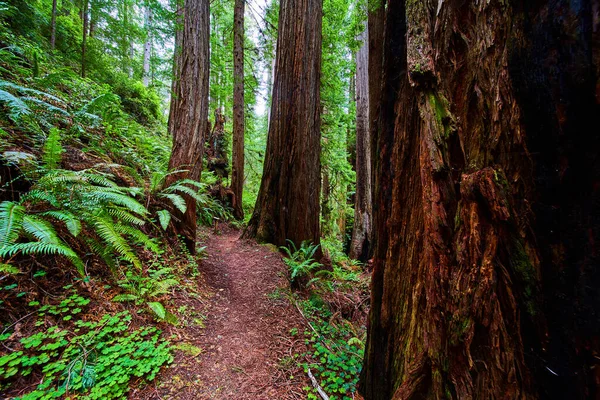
x=335 y=354
x=300 y=260
x=145 y=289
x=84 y=201
x=97 y=359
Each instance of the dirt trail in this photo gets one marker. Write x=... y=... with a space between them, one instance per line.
x=248 y=327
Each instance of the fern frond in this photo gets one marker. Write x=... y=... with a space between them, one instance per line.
x=191 y=182
x=72 y=223
x=122 y=298
x=31 y=248
x=40 y=229
x=46 y=106
x=11 y=222
x=34 y=92
x=119 y=199
x=177 y=200
x=123 y=215
x=17 y=107
x=107 y=231
x=52 y=149
x=100 y=103
x=140 y=237
x=41 y=196
x=164 y=217
x=187 y=190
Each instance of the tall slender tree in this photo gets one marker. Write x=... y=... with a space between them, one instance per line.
x=84 y=22
x=485 y=271
x=237 y=165
x=189 y=106
x=53 y=26
x=287 y=206
x=361 y=232
x=147 y=43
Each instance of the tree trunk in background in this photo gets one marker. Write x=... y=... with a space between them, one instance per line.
x=361 y=232
x=53 y=26
x=189 y=106
x=485 y=281
x=84 y=20
x=147 y=44
x=237 y=162
x=375 y=19
x=287 y=206
x=93 y=18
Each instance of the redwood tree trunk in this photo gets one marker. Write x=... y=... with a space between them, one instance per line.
x=147 y=44
x=485 y=281
x=375 y=17
x=361 y=232
x=84 y=21
x=237 y=164
x=53 y=26
x=287 y=206
x=189 y=107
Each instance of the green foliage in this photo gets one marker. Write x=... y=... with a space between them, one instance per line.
x=142 y=103
x=335 y=354
x=300 y=261
x=16 y=223
x=52 y=149
x=96 y=359
x=143 y=289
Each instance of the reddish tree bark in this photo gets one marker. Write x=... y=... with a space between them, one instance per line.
x=481 y=164
x=287 y=206
x=189 y=107
x=362 y=229
x=237 y=164
x=84 y=21
x=53 y=26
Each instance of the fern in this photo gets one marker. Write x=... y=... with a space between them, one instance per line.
x=72 y=223
x=17 y=107
x=108 y=232
x=31 y=248
x=40 y=229
x=164 y=217
x=52 y=149
x=176 y=200
x=11 y=222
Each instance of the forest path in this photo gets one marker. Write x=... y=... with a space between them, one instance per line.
x=247 y=338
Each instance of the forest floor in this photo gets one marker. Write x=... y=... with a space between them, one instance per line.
x=248 y=342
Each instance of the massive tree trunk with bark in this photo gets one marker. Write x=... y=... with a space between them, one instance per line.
x=189 y=107
x=485 y=282
x=287 y=206
x=237 y=164
x=361 y=232
x=375 y=18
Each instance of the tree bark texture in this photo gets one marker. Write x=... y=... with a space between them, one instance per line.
x=53 y=26
x=147 y=44
x=485 y=283
x=375 y=22
x=189 y=106
x=84 y=21
x=287 y=206
x=361 y=232
x=237 y=164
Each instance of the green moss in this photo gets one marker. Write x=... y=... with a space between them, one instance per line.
x=440 y=107
x=525 y=271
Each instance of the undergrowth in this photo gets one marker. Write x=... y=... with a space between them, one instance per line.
x=88 y=273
